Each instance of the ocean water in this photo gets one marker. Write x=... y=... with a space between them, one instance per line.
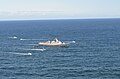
x=93 y=52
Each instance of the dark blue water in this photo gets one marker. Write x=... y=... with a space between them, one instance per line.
x=93 y=52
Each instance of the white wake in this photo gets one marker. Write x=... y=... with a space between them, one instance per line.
x=20 y=53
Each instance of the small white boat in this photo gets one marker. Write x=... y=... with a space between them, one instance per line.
x=55 y=42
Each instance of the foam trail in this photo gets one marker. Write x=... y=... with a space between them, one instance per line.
x=37 y=49
x=30 y=39
x=21 y=53
x=32 y=44
x=73 y=42
x=29 y=44
x=14 y=37
x=69 y=42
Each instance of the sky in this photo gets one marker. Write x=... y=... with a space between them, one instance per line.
x=59 y=9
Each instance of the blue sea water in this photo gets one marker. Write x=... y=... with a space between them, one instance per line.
x=93 y=52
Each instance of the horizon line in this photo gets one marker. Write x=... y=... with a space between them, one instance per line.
x=60 y=19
